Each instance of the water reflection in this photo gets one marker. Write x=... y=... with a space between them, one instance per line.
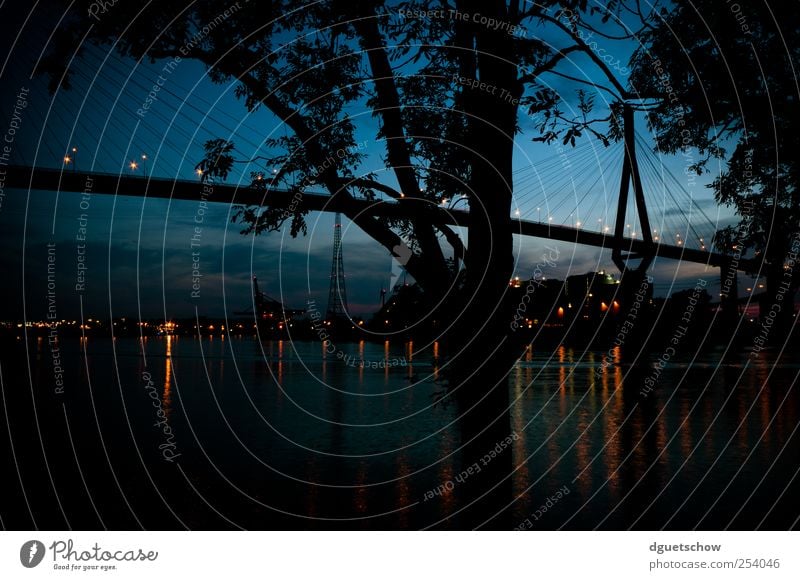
x=333 y=439
x=166 y=395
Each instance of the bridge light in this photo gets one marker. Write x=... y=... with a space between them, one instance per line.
x=133 y=165
x=578 y=224
x=198 y=171
x=516 y=212
x=606 y=228
x=550 y=219
x=67 y=159
x=655 y=238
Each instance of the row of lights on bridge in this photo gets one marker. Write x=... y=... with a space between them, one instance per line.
x=606 y=228
x=71 y=159
x=133 y=165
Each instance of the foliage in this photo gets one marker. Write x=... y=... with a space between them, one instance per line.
x=724 y=82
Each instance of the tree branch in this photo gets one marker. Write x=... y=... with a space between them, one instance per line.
x=389 y=109
x=623 y=93
x=550 y=64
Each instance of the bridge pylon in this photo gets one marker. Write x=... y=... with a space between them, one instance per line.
x=631 y=177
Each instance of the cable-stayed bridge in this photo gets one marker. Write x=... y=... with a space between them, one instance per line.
x=621 y=197
x=43 y=179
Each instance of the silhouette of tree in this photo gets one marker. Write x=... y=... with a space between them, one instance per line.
x=445 y=84
x=726 y=83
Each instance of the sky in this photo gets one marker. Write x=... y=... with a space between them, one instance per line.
x=138 y=253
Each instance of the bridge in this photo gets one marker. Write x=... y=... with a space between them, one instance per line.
x=578 y=194
x=46 y=179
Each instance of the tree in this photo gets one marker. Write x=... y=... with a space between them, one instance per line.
x=726 y=80
x=445 y=83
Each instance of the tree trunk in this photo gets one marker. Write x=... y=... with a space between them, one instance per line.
x=480 y=347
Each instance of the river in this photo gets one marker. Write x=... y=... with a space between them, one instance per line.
x=226 y=432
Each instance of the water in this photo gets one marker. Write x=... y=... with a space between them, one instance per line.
x=233 y=432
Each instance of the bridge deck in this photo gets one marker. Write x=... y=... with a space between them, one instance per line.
x=26 y=178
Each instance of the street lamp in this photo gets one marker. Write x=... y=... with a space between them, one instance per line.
x=144 y=164
x=74 y=159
